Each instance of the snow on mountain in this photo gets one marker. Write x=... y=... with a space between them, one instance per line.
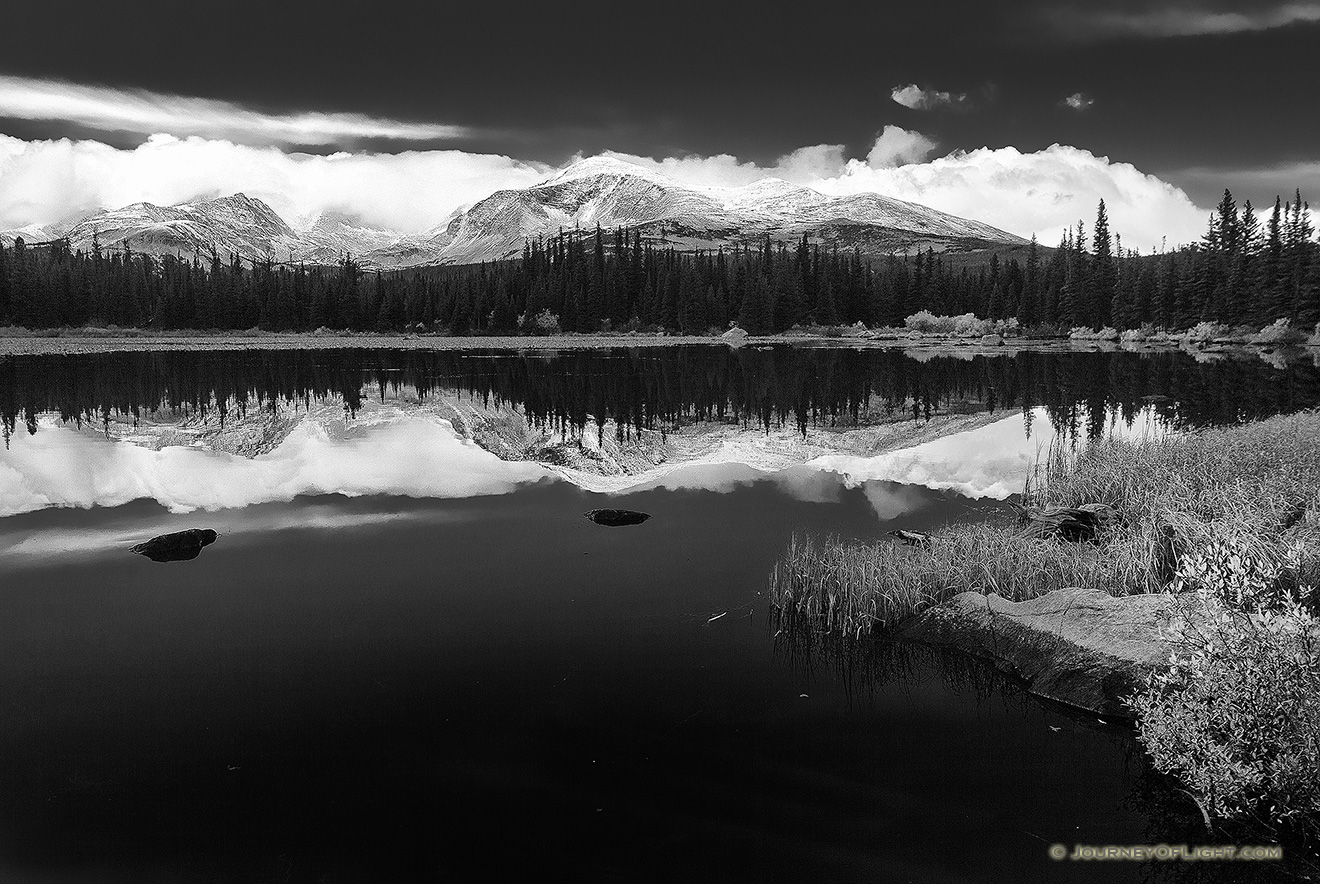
x=610 y=192
x=602 y=190
x=32 y=233
x=335 y=235
x=232 y=224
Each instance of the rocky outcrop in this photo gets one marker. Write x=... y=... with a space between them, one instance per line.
x=1081 y=647
x=616 y=518
x=181 y=546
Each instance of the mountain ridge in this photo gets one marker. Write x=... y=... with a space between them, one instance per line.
x=599 y=191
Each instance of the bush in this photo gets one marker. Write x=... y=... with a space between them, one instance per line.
x=1279 y=334
x=1204 y=332
x=965 y=325
x=1236 y=714
x=543 y=323
x=1082 y=333
x=925 y=321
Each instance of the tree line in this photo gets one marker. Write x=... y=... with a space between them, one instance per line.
x=578 y=391
x=1242 y=272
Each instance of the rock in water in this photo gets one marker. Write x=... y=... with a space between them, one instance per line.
x=1081 y=647
x=177 y=547
x=617 y=518
x=734 y=337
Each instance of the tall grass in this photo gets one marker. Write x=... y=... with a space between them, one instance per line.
x=1257 y=483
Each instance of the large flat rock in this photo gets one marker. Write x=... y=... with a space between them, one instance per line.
x=1081 y=647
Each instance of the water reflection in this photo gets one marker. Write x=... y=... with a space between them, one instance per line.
x=663 y=388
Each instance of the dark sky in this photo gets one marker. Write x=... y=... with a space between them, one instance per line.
x=1198 y=93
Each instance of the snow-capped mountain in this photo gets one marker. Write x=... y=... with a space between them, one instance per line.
x=30 y=233
x=232 y=224
x=612 y=193
x=600 y=191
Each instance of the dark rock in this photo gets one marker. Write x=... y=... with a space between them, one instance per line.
x=1081 y=647
x=617 y=518
x=1078 y=524
x=177 y=547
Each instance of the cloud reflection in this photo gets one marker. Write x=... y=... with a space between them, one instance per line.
x=61 y=467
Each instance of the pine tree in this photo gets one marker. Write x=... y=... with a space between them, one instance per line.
x=1103 y=274
x=1272 y=293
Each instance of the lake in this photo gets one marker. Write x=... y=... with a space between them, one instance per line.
x=408 y=657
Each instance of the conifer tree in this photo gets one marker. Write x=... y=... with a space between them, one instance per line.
x=1103 y=275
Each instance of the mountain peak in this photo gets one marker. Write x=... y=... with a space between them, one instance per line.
x=606 y=165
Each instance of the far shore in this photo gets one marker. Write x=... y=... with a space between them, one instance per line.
x=22 y=342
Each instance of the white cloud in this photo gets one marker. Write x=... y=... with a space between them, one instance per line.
x=802 y=166
x=61 y=467
x=148 y=113
x=46 y=181
x=915 y=97
x=1024 y=193
x=1078 y=101
x=896 y=146
x=1041 y=192
x=1185 y=20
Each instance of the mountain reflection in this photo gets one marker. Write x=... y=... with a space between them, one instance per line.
x=664 y=388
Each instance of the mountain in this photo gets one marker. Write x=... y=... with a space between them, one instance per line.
x=610 y=193
x=231 y=224
x=598 y=191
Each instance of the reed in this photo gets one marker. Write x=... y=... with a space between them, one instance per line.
x=1258 y=483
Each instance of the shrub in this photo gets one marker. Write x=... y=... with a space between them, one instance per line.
x=1236 y=713
x=543 y=323
x=1279 y=334
x=1082 y=333
x=1204 y=332
x=965 y=325
x=925 y=321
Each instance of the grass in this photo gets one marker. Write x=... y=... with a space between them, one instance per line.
x=1258 y=483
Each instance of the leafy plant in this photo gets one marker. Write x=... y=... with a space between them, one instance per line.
x=1236 y=713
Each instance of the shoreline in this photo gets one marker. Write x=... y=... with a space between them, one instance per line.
x=14 y=342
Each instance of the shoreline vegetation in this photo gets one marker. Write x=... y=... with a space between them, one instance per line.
x=1224 y=521
x=922 y=330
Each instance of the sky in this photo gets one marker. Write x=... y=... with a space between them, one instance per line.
x=1022 y=114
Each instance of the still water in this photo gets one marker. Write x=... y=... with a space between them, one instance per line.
x=454 y=676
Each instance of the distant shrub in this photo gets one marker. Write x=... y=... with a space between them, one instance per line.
x=1082 y=333
x=1204 y=332
x=965 y=325
x=1314 y=339
x=925 y=321
x=543 y=323
x=1279 y=334
x=1136 y=335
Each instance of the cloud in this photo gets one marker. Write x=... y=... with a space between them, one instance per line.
x=149 y=113
x=1035 y=193
x=1181 y=20
x=802 y=166
x=1024 y=193
x=46 y=181
x=915 y=97
x=1078 y=101
x=62 y=467
x=896 y=146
